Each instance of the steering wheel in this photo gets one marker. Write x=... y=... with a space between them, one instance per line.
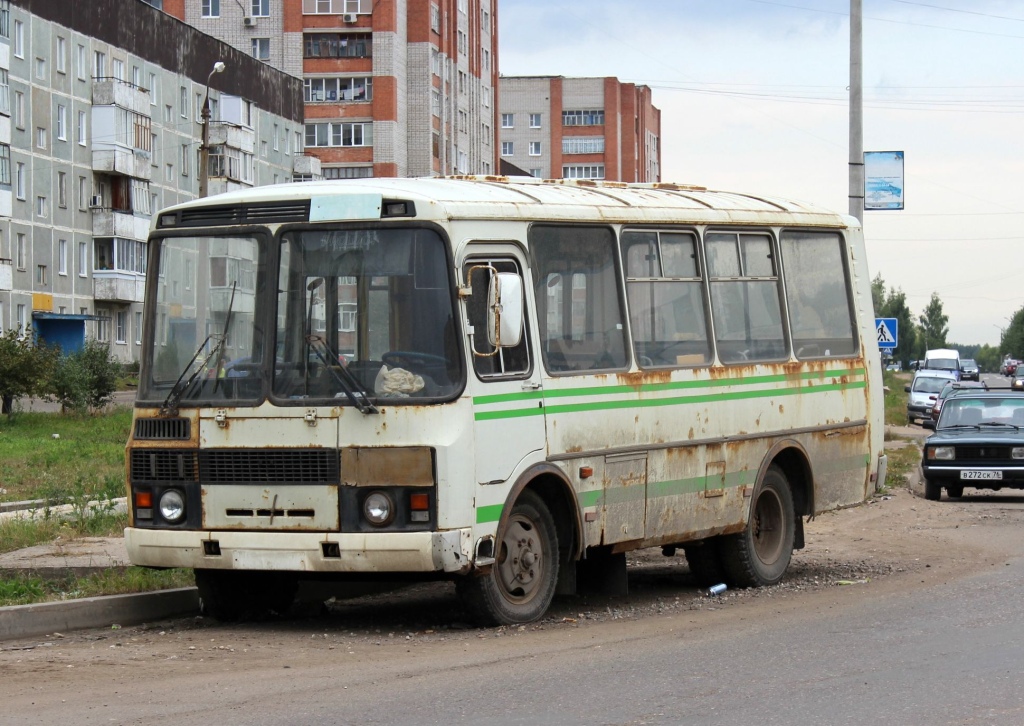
x=413 y=360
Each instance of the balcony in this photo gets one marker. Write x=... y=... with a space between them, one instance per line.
x=118 y=286
x=111 y=223
x=121 y=129
x=233 y=136
x=307 y=166
x=6 y=275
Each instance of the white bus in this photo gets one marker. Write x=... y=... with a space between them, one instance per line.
x=506 y=382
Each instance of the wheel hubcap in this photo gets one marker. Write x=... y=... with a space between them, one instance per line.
x=767 y=527
x=521 y=560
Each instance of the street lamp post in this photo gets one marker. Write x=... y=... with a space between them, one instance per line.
x=204 y=147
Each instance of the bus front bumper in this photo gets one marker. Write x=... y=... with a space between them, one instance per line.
x=448 y=551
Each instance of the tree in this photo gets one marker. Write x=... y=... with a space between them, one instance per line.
x=895 y=306
x=1012 y=342
x=934 y=324
x=878 y=294
x=84 y=379
x=23 y=368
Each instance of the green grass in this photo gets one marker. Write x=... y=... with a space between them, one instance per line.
x=896 y=398
x=86 y=456
x=902 y=460
x=17 y=534
x=22 y=589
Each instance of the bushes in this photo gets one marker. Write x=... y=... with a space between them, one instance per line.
x=81 y=380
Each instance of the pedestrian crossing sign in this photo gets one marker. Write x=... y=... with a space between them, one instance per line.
x=886 y=328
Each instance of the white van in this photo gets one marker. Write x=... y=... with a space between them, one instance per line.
x=943 y=359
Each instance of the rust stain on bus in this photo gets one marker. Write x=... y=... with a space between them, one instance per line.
x=638 y=379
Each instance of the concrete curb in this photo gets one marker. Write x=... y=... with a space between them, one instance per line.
x=26 y=621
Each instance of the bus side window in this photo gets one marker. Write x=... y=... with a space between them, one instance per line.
x=513 y=361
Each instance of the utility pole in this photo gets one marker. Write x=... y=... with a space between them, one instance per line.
x=204 y=147
x=856 y=112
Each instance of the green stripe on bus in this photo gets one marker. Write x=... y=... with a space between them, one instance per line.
x=674 y=401
x=491 y=513
x=656 y=387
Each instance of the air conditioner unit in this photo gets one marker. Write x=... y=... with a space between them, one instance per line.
x=350 y=17
x=95 y=202
x=248 y=21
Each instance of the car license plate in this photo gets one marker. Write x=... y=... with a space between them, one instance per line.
x=974 y=474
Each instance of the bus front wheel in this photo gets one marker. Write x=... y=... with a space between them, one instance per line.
x=521 y=583
x=229 y=595
x=760 y=554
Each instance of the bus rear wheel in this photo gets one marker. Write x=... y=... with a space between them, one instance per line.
x=229 y=595
x=521 y=583
x=761 y=553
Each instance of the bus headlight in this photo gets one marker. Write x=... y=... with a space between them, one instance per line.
x=172 y=506
x=942 y=453
x=378 y=509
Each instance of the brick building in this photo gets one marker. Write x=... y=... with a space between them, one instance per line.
x=579 y=128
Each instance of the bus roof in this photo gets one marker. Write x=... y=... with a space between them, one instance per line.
x=497 y=197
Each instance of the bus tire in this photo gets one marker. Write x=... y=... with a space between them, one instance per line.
x=521 y=583
x=705 y=562
x=932 y=491
x=760 y=554
x=229 y=595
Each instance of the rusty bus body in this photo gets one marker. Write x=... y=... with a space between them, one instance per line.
x=325 y=392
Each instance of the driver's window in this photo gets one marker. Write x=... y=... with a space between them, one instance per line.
x=505 y=362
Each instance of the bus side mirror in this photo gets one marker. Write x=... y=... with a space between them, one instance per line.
x=505 y=310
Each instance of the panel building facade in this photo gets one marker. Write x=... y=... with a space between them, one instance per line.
x=391 y=87
x=100 y=107
x=579 y=128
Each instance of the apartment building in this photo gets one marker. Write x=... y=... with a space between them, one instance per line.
x=391 y=87
x=100 y=128
x=579 y=128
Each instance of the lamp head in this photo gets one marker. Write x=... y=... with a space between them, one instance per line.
x=218 y=66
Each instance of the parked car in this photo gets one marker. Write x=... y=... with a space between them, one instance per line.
x=923 y=391
x=969 y=370
x=948 y=388
x=978 y=442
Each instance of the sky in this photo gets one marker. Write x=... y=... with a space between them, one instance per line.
x=754 y=98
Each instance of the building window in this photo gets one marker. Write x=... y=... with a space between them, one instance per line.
x=80 y=132
x=435 y=18
x=169 y=172
x=40 y=137
x=19 y=181
x=338 y=45
x=261 y=48
x=5 y=32
x=583 y=145
x=338 y=89
x=99 y=64
x=261 y=8
x=339 y=134
x=41 y=274
x=22 y=320
x=40 y=69
x=121 y=327
x=586 y=171
x=152 y=89
x=183 y=101
x=19 y=109
x=336 y=7
x=211 y=8
x=5 y=164
x=83 y=192
x=185 y=153
x=62 y=257
x=508 y=120
x=583 y=118
x=536 y=172
x=102 y=326
x=41 y=208
x=19 y=39
x=138 y=328
x=22 y=251
x=534 y=148
x=507 y=148
x=5 y=92
x=118 y=65
x=534 y=120
x=347 y=172
x=80 y=69
x=435 y=103
x=62 y=190
x=62 y=123
x=83 y=259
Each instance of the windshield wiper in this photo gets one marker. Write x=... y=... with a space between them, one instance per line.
x=349 y=383
x=221 y=347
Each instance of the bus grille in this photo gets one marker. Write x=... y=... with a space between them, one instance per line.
x=254 y=213
x=167 y=429
x=237 y=466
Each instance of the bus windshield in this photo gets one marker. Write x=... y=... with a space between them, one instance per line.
x=361 y=315
x=369 y=309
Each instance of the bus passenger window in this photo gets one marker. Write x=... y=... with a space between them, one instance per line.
x=578 y=298
x=665 y=294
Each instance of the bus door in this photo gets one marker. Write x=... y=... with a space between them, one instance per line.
x=507 y=402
